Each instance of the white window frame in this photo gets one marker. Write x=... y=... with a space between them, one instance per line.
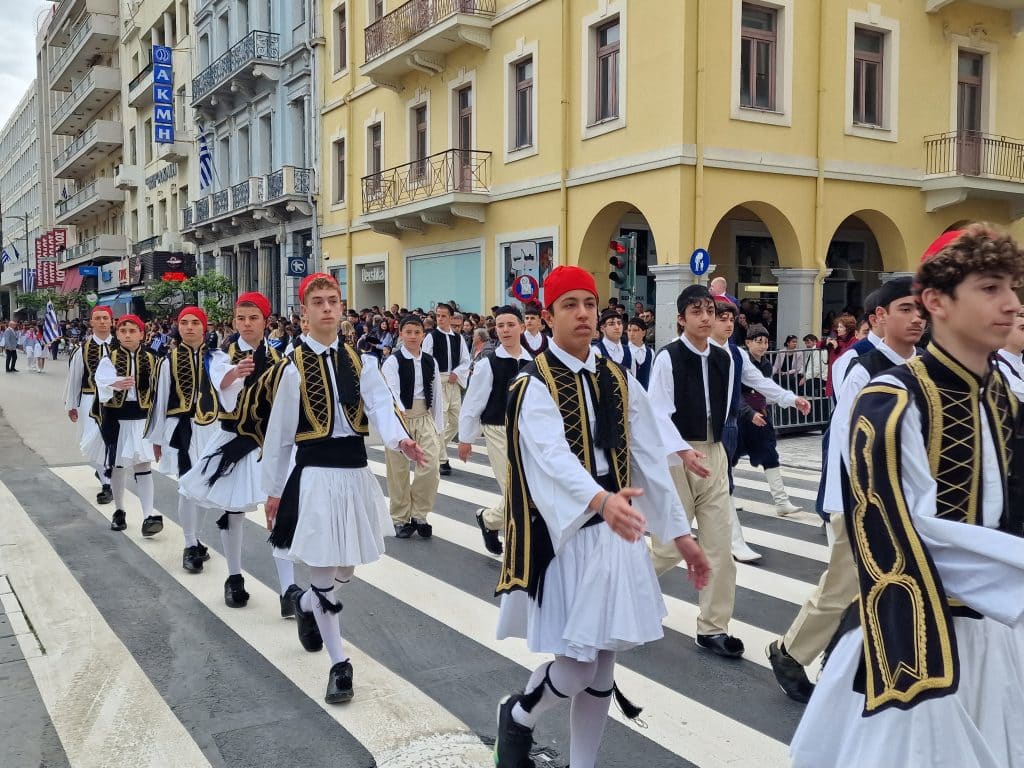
x=420 y=99
x=338 y=72
x=335 y=204
x=783 y=113
x=889 y=28
x=606 y=12
x=374 y=117
x=507 y=238
x=466 y=77
x=511 y=60
x=990 y=61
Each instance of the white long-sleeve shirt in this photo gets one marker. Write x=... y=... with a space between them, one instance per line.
x=389 y=370
x=76 y=369
x=465 y=360
x=479 y=392
x=106 y=377
x=284 y=417
x=559 y=484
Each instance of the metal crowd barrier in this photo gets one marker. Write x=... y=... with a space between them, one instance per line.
x=802 y=371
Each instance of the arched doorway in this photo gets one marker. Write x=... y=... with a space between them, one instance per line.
x=863 y=246
x=620 y=220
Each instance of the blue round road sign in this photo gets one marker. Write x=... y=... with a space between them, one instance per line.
x=700 y=262
x=525 y=288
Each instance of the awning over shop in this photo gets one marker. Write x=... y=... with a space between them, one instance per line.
x=72 y=281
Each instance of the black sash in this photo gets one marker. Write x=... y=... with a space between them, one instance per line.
x=336 y=453
x=110 y=428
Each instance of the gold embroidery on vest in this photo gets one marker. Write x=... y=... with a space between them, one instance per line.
x=314 y=394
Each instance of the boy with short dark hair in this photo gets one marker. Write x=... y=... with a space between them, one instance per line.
x=640 y=354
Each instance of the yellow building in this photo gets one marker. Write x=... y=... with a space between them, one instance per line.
x=467 y=143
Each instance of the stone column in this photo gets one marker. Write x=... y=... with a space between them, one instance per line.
x=795 y=305
x=885 y=277
x=669 y=281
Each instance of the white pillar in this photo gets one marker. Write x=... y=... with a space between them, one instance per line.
x=169 y=29
x=885 y=277
x=669 y=281
x=795 y=305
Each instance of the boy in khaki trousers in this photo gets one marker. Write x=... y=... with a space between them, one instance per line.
x=415 y=381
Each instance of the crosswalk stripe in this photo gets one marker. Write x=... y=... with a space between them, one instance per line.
x=92 y=690
x=387 y=708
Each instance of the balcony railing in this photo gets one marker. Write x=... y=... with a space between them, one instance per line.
x=281 y=183
x=256 y=46
x=76 y=40
x=140 y=77
x=64 y=108
x=971 y=153
x=186 y=217
x=454 y=170
x=63 y=206
x=415 y=17
x=72 y=148
x=147 y=245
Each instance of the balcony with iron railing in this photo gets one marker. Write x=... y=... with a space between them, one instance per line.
x=99 y=248
x=432 y=191
x=94 y=36
x=59 y=30
x=93 y=200
x=283 y=192
x=255 y=57
x=417 y=35
x=971 y=164
x=73 y=115
x=140 y=88
x=79 y=158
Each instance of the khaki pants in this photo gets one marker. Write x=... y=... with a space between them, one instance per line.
x=814 y=626
x=494 y=437
x=452 y=406
x=707 y=500
x=416 y=498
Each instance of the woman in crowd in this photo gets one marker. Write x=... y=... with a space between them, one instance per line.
x=843 y=336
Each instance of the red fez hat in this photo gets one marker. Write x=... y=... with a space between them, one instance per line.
x=563 y=279
x=258 y=299
x=103 y=308
x=131 y=319
x=940 y=243
x=309 y=279
x=195 y=312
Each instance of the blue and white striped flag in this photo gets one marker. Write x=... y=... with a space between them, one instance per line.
x=51 y=328
x=28 y=280
x=205 y=164
x=6 y=258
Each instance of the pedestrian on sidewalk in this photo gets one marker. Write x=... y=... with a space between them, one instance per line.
x=11 y=341
x=587 y=478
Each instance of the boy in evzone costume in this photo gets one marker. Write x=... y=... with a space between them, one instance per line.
x=226 y=476
x=185 y=421
x=927 y=667
x=534 y=339
x=587 y=477
x=819 y=617
x=125 y=385
x=80 y=394
x=414 y=379
x=484 y=409
x=329 y=512
x=452 y=357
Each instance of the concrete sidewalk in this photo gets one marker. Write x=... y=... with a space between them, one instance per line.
x=801 y=451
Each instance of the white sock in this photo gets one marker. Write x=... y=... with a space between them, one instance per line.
x=231 y=538
x=328 y=623
x=588 y=714
x=118 y=479
x=144 y=487
x=188 y=512
x=285 y=569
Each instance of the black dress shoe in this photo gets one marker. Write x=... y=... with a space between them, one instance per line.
x=446 y=469
x=191 y=561
x=202 y=551
x=235 y=595
x=339 y=683
x=789 y=673
x=105 y=496
x=723 y=645
x=152 y=525
x=423 y=528
x=118 y=523
x=404 y=530
x=514 y=741
x=491 y=541
x=288 y=601
x=309 y=632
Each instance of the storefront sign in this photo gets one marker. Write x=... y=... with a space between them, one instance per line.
x=163 y=95
x=372 y=273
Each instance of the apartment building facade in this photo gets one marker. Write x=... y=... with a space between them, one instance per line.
x=814 y=149
x=251 y=211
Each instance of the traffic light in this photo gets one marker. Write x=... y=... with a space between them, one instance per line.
x=619 y=259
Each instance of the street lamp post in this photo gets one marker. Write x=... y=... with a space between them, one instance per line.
x=23 y=217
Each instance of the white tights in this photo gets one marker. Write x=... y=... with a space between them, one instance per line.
x=327 y=620
x=143 y=486
x=192 y=517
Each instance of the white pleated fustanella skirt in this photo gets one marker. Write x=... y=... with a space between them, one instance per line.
x=600 y=594
x=132 y=446
x=238 y=491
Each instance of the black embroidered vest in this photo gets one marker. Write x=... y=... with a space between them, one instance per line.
x=91 y=353
x=691 y=418
x=874 y=362
x=143 y=366
x=910 y=651
x=543 y=345
x=192 y=393
x=528 y=548
x=407 y=379
x=317 y=411
x=441 y=347
x=503 y=371
x=264 y=357
x=627 y=356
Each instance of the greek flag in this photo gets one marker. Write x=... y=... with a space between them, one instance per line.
x=6 y=258
x=28 y=280
x=51 y=328
x=205 y=164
